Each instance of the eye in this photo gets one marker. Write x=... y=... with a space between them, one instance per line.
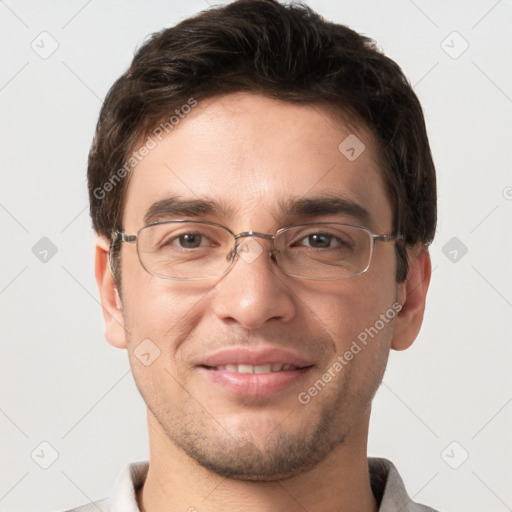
x=319 y=240
x=322 y=241
x=192 y=240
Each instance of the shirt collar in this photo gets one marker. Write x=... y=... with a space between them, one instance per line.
x=386 y=483
x=129 y=481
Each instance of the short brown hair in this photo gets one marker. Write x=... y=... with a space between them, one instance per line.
x=288 y=52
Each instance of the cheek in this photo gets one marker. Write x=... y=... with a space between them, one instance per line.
x=160 y=316
x=360 y=308
x=161 y=310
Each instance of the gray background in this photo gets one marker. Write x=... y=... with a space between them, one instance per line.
x=63 y=384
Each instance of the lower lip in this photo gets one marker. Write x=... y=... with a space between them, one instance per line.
x=255 y=384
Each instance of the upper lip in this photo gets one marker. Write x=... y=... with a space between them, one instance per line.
x=254 y=357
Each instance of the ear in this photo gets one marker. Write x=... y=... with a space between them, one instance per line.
x=111 y=302
x=412 y=295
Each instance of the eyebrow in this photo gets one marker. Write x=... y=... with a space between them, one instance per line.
x=326 y=205
x=172 y=206
x=309 y=207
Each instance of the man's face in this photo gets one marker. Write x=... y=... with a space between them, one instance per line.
x=250 y=153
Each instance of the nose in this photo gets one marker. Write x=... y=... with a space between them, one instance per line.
x=254 y=291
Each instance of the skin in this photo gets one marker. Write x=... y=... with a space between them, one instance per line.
x=251 y=151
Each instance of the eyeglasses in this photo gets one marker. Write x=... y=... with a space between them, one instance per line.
x=193 y=250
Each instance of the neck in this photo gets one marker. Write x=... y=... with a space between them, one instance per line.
x=339 y=483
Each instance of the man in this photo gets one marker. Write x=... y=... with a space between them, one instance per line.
x=264 y=195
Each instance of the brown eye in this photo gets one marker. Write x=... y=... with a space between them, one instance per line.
x=190 y=240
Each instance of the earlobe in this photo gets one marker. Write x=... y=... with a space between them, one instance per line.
x=110 y=300
x=412 y=296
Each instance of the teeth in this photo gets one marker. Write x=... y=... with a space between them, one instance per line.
x=262 y=368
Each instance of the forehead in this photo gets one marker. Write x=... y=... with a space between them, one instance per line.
x=251 y=159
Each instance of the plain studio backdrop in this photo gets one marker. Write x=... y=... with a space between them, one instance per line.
x=70 y=415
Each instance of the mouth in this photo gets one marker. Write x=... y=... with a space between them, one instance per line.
x=251 y=373
x=249 y=368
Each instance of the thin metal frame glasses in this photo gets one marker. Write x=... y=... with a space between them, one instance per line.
x=193 y=250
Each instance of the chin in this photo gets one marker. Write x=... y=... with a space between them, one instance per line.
x=276 y=456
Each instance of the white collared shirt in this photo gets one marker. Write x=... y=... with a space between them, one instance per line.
x=387 y=487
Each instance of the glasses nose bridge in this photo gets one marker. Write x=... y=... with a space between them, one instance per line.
x=257 y=234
